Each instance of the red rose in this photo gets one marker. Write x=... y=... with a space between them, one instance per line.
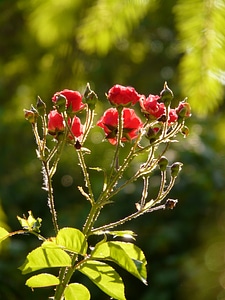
x=76 y=127
x=172 y=116
x=151 y=107
x=184 y=110
x=109 y=122
x=55 y=122
x=73 y=98
x=120 y=95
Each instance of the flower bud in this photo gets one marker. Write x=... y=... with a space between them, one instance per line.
x=185 y=131
x=61 y=102
x=31 y=115
x=90 y=97
x=166 y=95
x=55 y=123
x=163 y=163
x=176 y=168
x=183 y=110
x=41 y=106
x=154 y=132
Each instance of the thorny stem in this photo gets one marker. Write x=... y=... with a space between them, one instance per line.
x=145 y=191
x=141 y=172
x=162 y=185
x=88 y=124
x=115 y=163
x=128 y=218
x=49 y=188
x=86 y=176
x=171 y=184
x=37 y=138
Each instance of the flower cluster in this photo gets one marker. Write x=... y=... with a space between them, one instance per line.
x=155 y=122
x=70 y=102
x=155 y=108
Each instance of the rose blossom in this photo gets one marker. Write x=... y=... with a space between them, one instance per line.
x=184 y=110
x=120 y=95
x=172 y=116
x=76 y=127
x=73 y=99
x=151 y=107
x=55 y=122
x=109 y=122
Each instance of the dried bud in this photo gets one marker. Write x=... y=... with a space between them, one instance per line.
x=166 y=95
x=176 y=168
x=170 y=203
x=185 y=131
x=31 y=115
x=163 y=163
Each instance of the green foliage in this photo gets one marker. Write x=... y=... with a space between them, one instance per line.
x=76 y=291
x=105 y=277
x=99 y=31
x=53 y=253
x=126 y=255
x=4 y=234
x=201 y=27
x=42 y=280
x=43 y=257
x=72 y=239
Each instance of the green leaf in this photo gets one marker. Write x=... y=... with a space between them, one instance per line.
x=4 y=234
x=138 y=257
x=72 y=239
x=114 y=251
x=41 y=258
x=128 y=234
x=42 y=280
x=105 y=277
x=76 y=291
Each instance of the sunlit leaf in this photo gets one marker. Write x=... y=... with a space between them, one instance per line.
x=42 y=280
x=76 y=291
x=72 y=239
x=127 y=234
x=4 y=234
x=137 y=255
x=105 y=277
x=124 y=256
x=41 y=258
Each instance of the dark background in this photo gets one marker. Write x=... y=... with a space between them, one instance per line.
x=47 y=46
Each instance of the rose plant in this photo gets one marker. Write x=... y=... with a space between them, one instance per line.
x=147 y=133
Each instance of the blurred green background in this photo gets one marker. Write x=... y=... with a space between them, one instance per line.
x=49 y=45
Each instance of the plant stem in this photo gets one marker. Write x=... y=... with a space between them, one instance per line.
x=66 y=273
x=86 y=176
x=115 y=163
x=49 y=188
x=128 y=218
